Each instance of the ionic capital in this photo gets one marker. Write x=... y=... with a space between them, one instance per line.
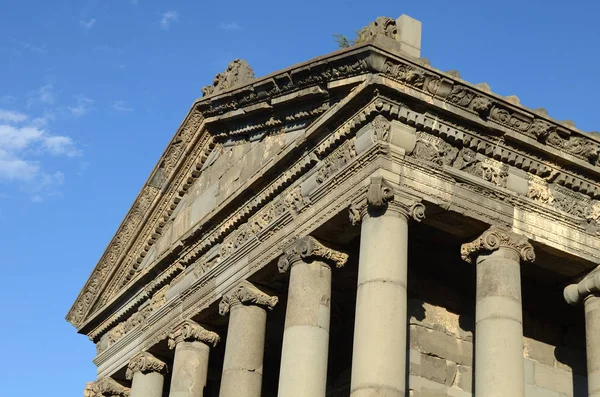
x=381 y=197
x=308 y=248
x=247 y=294
x=495 y=238
x=380 y=192
x=191 y=331
x=144 y=362
x=106 y=387
x=590 y=284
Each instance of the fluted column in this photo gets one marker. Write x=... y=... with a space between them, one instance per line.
x=588 y=291
x=146 y=373
x=192 y=344
x=106 y=387
x=379 y=352
x=244 y=351
x=497 y=254
x=306 y=335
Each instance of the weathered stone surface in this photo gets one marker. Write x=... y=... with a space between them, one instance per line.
x=441 y=345
x=238 y=72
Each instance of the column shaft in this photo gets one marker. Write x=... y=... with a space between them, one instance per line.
x=379 y=353
x=499 y=325
x=592 y=335
x=306 y=336
x=190 y=369
x=147 y=384
x=244 y=351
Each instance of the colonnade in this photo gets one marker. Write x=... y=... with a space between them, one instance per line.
x=379 y=349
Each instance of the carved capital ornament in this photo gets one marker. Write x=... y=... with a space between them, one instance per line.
x=190 y=331
x=106 y=387
x=246 y=294
x=145 y=362
x=495 y=238
x=308 y=248
x=589 y=286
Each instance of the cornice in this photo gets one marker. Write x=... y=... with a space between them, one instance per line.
x=171 y=172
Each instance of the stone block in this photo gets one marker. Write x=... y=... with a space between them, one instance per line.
x=440 y=344
x=554 y=379
x=433 y=368
x=535 y=391
x=464 y=378
x=539 y=351
x=529 y=366
x=422 y=387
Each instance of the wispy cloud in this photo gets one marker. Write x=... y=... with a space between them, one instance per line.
x=41 y=50
x=230 y=26
x=25 y=149
x=88 y=24
x=12 y=116
x=121 y=106
x=45 y=95
x=83 y=106
x=168 y=18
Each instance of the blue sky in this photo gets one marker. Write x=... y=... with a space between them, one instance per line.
x=92 y=91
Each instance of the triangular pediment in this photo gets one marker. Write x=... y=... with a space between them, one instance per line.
x=230 y=136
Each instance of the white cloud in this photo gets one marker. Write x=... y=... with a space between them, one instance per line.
x=121 y=106
x=89 y=24
x=12 y=116
x=83 y=106
x=45 y=96
x=25 y=149
x=230 y=26
x=168 y=18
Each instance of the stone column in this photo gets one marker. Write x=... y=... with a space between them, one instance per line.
x=192 y=344
x=245 y=347
x=497 y=254
x=147 y=375
x=379 y=352
x=306 y=334
x=588 y=291
x=107 y=387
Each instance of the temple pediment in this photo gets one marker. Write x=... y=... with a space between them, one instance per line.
x=249 y=140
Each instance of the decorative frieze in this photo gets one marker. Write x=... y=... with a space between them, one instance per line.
x=190 y=331
x=144 y=362
x=495 y=238
x=107 y=387
x=308 y=248
x=247 y=294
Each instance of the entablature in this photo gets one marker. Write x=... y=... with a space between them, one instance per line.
x=463 y=129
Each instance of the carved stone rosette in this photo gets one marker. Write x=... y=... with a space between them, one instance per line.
x=590 y=284
x=310 y=248
x=106 y=387
x=246 y=294
x=144 y=362
x=495 y=238
x=191 y=331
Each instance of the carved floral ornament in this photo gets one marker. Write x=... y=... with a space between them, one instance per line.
x=145 y=362
x=419 y=77
x=106 y=387
x=190 y=331
x=495 y=238
x=309 y=248
x=246 y=294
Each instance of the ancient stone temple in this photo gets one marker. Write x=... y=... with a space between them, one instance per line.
x=361 y=224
